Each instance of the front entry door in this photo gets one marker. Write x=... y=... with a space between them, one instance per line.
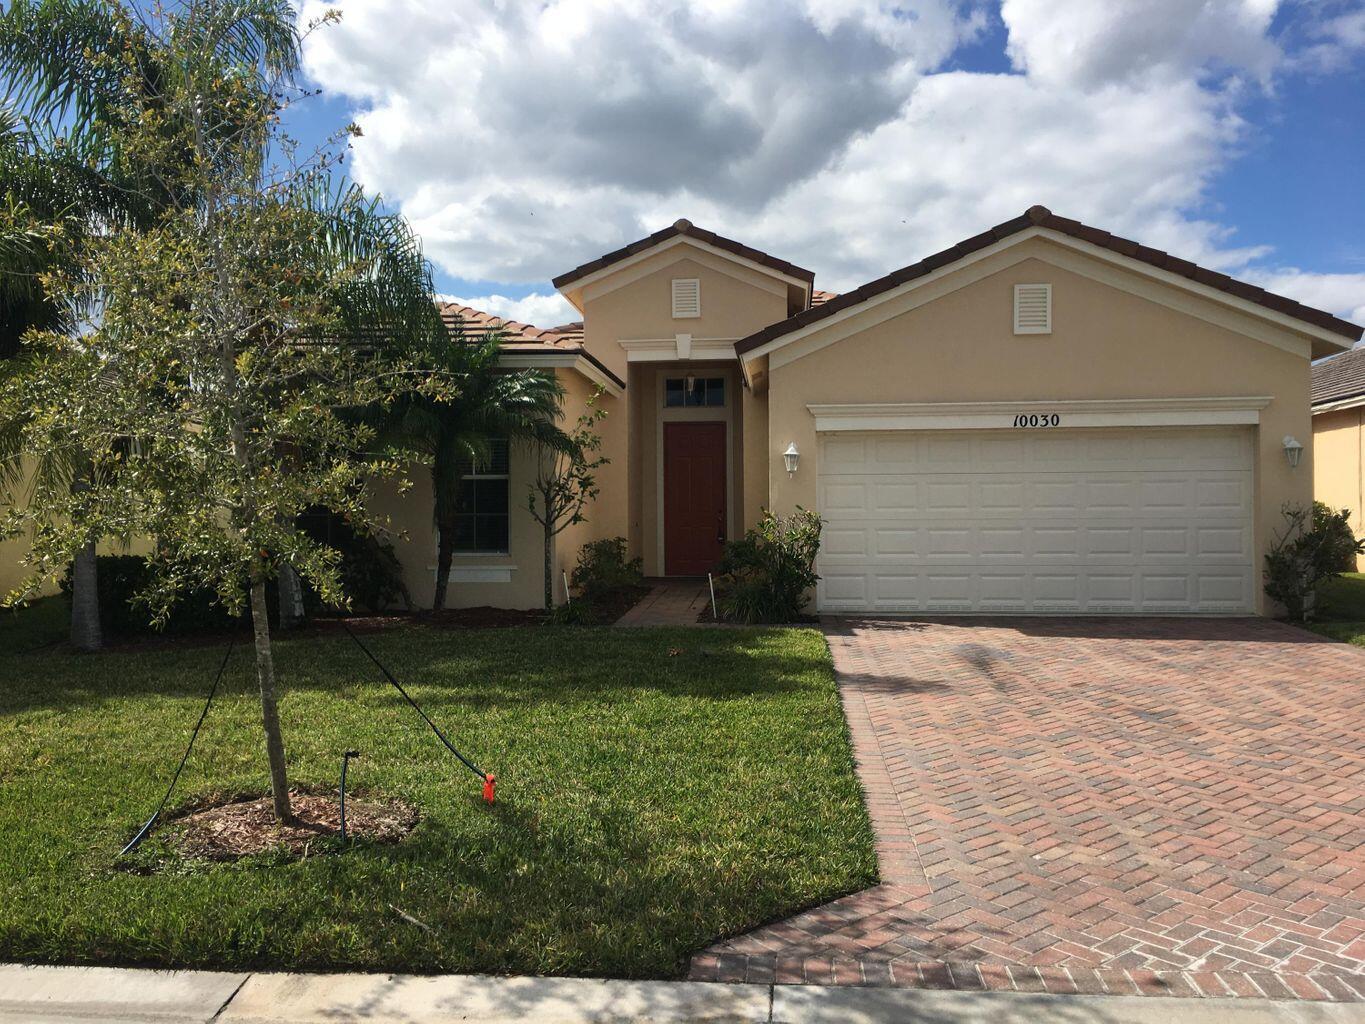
x=694 y=497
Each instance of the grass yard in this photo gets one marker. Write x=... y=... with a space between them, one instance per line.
x=656 y=789
x=1343 y=609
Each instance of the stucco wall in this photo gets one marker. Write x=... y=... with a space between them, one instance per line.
x=647 y=382
x=412 y=513
x=1339 y=463
x=635 y=304
x=1106 y=343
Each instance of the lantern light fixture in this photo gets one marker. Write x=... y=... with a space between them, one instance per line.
x=1293 y=449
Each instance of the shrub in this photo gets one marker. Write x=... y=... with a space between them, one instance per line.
x=766 y=575
x=1315 y=545
x=371 y=575
x=123 y=577
x=604 y=576
x=574 y=613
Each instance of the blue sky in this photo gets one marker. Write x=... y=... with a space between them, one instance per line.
x=852 y=137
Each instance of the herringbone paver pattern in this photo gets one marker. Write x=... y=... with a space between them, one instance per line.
x=1126 y=806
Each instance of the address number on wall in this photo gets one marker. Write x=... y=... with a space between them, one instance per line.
x=1038 y=419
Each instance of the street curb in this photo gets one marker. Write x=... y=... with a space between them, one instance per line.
x=67 y=995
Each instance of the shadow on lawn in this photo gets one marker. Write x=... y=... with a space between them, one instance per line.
x=476 y=670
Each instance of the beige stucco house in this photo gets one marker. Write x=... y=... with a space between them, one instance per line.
x=1338 y=421
x=1043 y=418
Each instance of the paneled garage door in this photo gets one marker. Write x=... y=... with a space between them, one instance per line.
x=1048 y=520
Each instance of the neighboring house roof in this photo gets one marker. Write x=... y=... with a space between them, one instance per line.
x=1339 y=379
x=1042 y=217
x=685 y=227
x=522 y=339
x=819 y=298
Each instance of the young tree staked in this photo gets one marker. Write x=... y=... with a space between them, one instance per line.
x=224 y=335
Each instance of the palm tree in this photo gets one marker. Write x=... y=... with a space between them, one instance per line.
x=49 y=201
x=485 y=404
x=72 y=67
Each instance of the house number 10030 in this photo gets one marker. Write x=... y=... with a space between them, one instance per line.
x=1038 y=419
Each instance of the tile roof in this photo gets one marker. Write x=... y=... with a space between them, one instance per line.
x=685 y=227
x=476 y=326
x=1041 y=216
x=1339 y=378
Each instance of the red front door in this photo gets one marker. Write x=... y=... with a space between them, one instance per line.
x=694 y=497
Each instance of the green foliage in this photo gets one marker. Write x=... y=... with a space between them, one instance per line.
x=766 y=575
x=604 y=575
x=255 y=299
x=371 y=575
x=454 y=428
x=1315 y=545
x=122 y=578
x=574 y=613
x=613 y=849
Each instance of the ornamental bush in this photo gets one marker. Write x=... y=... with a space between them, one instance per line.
x=1315 y=545
x=766 y=576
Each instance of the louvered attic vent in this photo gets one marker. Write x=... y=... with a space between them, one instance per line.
x=686 y=298
x=1033 y=309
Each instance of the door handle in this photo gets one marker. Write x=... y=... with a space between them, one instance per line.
x=720 y=527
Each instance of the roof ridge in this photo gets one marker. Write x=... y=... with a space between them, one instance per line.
x=685 y=227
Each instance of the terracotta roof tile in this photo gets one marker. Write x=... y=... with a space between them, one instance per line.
x=1339 y=378
x=476 y=326
x=684 y=227
x=1041 y=216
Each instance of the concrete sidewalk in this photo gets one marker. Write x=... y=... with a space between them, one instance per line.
x=58 y=995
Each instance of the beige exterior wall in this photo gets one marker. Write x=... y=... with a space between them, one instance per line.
x=634 y=304
x=1339 y=463
x=410 y=518
x=647 y=381
x=1106 y=343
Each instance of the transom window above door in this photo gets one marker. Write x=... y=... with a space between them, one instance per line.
x=694 y=391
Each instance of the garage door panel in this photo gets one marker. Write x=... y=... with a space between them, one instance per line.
x=1080 y=521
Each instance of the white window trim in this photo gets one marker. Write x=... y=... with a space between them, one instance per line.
x=1121 y=412
x=475 y=553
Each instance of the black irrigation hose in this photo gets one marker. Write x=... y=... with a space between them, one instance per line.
x=147 y=828
x=417 y=707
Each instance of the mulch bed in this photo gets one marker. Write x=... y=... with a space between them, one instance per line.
x=239 y=827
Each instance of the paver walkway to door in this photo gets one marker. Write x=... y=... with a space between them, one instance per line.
x=1100 y=806
x=670 y=602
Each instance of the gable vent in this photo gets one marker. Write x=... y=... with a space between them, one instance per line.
x=1033 y=309
x=686 y=297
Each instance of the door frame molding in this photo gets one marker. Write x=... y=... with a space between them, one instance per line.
x=693 y=414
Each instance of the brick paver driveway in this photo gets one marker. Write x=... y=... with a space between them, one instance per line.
x=1128 y=806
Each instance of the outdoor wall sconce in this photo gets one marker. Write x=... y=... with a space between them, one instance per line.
x=1292 y=450
x=792 y=458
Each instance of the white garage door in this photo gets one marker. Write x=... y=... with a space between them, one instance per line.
x=1091 y=521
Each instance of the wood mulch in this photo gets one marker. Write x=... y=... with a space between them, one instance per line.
x=236 y=828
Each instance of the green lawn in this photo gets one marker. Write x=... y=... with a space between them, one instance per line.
x=1343 y=609
x=656 y=789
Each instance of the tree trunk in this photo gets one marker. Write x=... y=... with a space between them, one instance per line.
x=86 y=634
x=549 y=571
x=445 y=552
x=270 y=716
x=291 y=598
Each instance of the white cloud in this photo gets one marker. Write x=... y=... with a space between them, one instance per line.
x=525 y=139
x=1343 y=294
x=535 y=309
x=1087 y=43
